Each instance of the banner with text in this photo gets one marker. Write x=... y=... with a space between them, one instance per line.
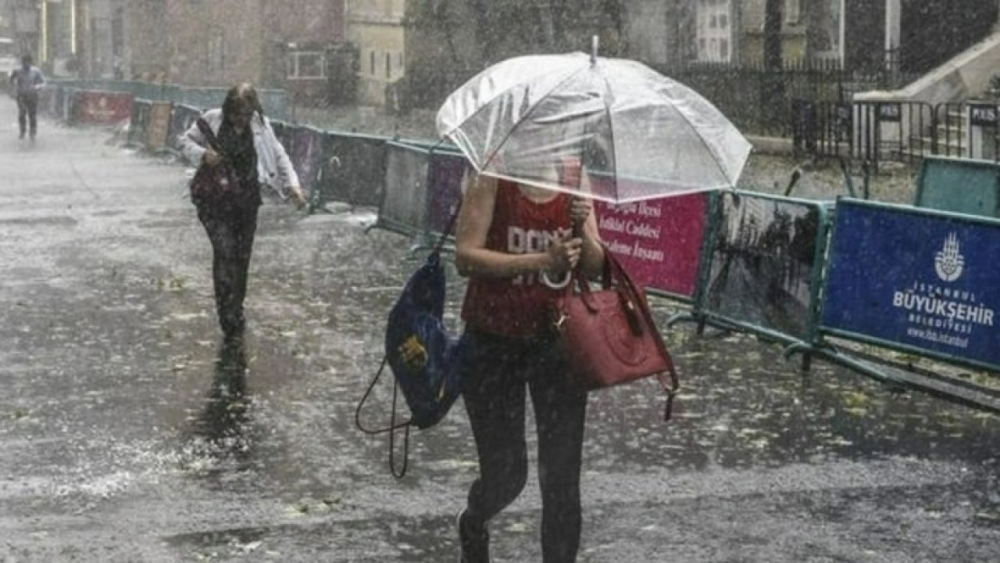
x=658 y=241
x=920 y=279
x=764 y=264
x=104 y=108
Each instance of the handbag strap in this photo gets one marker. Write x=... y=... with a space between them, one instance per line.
x=622 y=277
x=206 y=131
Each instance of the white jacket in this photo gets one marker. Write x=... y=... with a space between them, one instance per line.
x=274 y=168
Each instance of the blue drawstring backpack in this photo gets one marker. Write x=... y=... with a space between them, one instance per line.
x=425 y=360
x=418 y=349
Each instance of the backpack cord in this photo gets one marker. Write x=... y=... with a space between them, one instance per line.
x=393 y=425
x=392 y=438
x=357 y=411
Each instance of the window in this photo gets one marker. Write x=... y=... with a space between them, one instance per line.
x=714 y=35
x=792 y=11
x=371 y=71
x=388 y=66
x=306 y=64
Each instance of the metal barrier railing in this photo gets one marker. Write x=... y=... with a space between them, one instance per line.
x=896 y=130
x=747 y=261
x=274 y=101
x=764 y=258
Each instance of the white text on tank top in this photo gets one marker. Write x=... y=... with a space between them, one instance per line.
x=531 y=241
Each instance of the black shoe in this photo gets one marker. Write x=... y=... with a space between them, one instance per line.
x=475 y=544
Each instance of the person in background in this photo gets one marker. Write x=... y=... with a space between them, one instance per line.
x=512 y=241
x=27 y=80
x=249 y=146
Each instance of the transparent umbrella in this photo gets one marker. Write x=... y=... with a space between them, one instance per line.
x=638 y=134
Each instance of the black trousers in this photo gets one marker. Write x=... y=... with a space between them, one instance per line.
x=499 y=373
x=230 y=224
x=27 y=112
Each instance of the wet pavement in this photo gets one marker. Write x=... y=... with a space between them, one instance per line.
x=129 y=432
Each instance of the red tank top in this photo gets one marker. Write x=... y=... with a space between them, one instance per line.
x=517 y=306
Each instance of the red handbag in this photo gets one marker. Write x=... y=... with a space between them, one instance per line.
x=609 y=336
x=210 y=182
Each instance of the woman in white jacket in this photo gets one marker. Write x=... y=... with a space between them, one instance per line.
x=246 y=143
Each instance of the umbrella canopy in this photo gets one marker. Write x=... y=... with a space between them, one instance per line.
x=638 y=134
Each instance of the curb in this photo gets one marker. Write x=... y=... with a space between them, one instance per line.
x=771 y=145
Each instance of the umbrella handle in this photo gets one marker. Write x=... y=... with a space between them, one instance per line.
x=594 y=41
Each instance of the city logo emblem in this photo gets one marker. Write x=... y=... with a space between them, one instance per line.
x=948 y=262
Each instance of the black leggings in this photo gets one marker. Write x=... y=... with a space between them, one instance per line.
x=27 y=112
x=230 y=225
x=497 y=373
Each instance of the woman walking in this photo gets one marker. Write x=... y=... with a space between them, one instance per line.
x=244 y=142
x=510 y=240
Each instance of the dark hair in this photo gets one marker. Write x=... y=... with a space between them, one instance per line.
x=26 y=59
x=239 y=97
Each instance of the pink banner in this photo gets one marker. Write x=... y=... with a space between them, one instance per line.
x=105 y=108
x=658 y=241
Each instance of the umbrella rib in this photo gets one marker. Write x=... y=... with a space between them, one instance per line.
x=483 y=104
x=531 y=110
x=715 y=157
x=611 y=132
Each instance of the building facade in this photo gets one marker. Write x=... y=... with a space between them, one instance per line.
x=377 y=29
x=284 y=44
x=854 y=34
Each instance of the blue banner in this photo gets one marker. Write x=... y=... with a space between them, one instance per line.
x=924 y=280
